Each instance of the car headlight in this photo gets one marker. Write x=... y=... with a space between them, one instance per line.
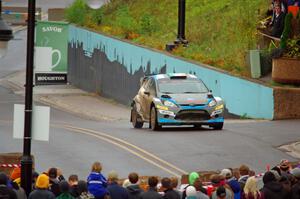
x=212 y=103
x=169 y=103
x=219 y=107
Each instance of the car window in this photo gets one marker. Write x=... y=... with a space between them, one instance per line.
x=181 y=86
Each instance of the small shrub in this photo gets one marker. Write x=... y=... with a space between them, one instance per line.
x=77 y=12
x=148 y=24
x=125 y=20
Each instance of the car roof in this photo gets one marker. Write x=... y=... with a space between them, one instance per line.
x=174 y=76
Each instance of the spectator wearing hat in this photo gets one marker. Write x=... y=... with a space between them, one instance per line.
x=193 y=176
x=296 y=187
x=64 y=190
x=272 y=189
x=83 y=190
x=73 y=183
x=191 y=193
x=134 y=189
x=41 y=191
x=284 y=166
x=96 y=182
x=114 y=189
x=232 y=182
x=152 y=190
x=6 y=192
x=169 y=192
x=251 y=189
x=219 y=181
x=15 y=178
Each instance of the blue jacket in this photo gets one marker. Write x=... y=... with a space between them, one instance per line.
x=97 y=184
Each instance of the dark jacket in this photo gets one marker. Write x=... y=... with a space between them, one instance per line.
x=116 y=191
x=278 y=25
x=151 y=194
x=97 y=184
x=74 y=191
x=134 y=191
x=7 y=193
x=274 y=190
x=41 y=194
x=171 y=194
x=296 y=191
x=54 y=186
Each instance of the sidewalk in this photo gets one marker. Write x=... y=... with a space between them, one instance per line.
x=70 y=99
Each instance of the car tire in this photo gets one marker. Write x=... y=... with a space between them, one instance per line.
x=153 y=120
x=134 y=118
x=217 y=126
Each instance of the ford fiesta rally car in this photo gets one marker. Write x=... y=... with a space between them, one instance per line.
x=175 y=99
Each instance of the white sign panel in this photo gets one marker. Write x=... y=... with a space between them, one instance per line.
x=40 y=122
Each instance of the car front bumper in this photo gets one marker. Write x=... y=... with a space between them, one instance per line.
x=202 y=115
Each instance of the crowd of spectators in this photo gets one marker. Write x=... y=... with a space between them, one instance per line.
x=277 y=11
x=280 y=182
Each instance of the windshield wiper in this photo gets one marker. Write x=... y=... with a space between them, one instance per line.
x=167 y=92
x=190 y=92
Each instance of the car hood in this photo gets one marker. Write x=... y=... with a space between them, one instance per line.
x=188 y=98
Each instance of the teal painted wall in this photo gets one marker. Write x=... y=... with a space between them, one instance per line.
x=242 y=97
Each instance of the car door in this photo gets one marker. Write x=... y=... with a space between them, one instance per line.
x=143 y=97
x=150 y=93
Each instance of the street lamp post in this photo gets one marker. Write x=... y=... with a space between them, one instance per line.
x=181 y=23
x=6 y=34
x=26 y=160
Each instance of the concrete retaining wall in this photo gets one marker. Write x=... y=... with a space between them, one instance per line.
x=112 y=67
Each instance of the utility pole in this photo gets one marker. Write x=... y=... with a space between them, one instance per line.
x=26 y=160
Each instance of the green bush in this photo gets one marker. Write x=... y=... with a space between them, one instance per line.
x=148 y=24
x=77 y=12
x=286 y=31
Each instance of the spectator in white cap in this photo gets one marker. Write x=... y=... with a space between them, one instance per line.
x=232 y=182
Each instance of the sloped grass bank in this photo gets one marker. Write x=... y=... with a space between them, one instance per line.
x=220 y=32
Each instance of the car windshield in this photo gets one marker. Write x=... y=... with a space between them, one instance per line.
x=170 y=86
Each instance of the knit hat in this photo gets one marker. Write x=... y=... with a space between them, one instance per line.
x=296 y=172
x=268 y=177
x=226 y=173
x=113 y=176
x=16 y=173
x=42 y=181
x=191 y=191
x=193 y=177
x=3 y=178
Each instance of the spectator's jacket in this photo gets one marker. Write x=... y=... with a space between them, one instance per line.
x=274 y=190
x=242 y=181
x=54 y=186
x=6 y=192
x=41 y=194
x=65 y=196
x=134 y=191
x=151 y=194
x=171 y=194
x=97 y=184
x=235 y=187
x=296 y=191
x=116 y=191
x=278 y=25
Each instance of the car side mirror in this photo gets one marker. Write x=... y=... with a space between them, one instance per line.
x=146 y=92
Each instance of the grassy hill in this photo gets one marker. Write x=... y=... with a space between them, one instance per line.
x=219 y=32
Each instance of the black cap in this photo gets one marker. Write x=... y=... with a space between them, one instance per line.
x=221 y=192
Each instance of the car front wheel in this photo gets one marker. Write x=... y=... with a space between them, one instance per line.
x=153 y=120
x=134 y=118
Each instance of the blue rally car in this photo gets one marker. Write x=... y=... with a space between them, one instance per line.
x=176 y=99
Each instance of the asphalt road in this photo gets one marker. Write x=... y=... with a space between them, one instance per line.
x=76 y=142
